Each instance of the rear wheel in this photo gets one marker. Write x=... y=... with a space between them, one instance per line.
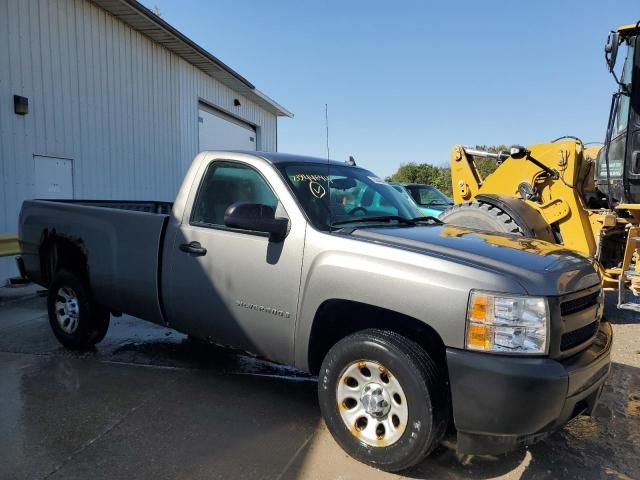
x=482 y=216
x=383 y=398
x=76 y=320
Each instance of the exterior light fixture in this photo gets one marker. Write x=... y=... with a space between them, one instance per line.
x=20 y=105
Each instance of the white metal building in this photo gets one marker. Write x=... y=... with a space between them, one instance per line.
x=119 y=102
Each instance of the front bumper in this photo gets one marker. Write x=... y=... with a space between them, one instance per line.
x=500 y=402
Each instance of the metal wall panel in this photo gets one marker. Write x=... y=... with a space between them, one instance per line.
x=124 y=108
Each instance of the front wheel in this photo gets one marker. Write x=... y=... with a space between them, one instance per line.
x=76 y=320
x=383 y=398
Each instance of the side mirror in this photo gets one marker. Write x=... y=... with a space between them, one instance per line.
x=257 y=218
x=611 y=49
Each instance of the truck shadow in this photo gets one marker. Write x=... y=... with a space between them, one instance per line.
x=191 y=352
x=606 y=445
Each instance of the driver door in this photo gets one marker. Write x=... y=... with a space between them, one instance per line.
x=234 y=287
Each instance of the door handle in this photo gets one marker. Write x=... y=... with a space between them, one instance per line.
x=194 y=249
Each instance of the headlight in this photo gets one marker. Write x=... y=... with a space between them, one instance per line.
x=505 y=323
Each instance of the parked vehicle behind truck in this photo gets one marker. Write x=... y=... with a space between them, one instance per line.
x=410 y=325
x=428 y=199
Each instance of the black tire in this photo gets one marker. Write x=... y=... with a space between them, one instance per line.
x=482 y=216
x=424 y=386
x=92 y=319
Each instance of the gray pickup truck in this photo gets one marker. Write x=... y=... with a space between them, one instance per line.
x=413 y=327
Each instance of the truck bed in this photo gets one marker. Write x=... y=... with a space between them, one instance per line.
x=130 y=205
x=122 y=241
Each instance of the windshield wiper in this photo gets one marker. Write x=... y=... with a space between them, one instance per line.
x=384 y=218
x=389 y=218
x=426 y=219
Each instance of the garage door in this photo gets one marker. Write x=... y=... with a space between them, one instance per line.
x=222 y=132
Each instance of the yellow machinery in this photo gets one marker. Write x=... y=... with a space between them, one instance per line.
x=9 y=245
x=587 y=199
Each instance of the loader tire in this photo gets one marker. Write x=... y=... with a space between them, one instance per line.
x=482 y=216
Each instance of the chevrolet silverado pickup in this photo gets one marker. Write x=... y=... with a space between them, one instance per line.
x=412 y=327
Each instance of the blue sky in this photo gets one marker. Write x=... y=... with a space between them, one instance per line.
x=405 y=81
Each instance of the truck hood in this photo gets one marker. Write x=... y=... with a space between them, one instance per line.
x=541 y=268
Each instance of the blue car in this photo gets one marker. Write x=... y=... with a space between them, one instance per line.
x=429 y=200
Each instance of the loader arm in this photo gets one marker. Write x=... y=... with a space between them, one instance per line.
x=558 y=198
x=589 y=198
x=465 y=176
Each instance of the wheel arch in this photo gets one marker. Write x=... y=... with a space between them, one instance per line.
x=336 y=318
x=60 y=252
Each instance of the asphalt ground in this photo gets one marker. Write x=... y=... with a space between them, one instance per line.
x=149 y=402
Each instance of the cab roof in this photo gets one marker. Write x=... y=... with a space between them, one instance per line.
x=276 y=157
x=628 y=30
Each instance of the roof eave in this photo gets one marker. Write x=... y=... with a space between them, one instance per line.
x=282 y=112
x=143 y=20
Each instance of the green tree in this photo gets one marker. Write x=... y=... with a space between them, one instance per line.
x=440 y=177
x=492 y=148
x=412 y=172
x=487 y=166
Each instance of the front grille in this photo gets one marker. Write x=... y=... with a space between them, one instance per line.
x=581 y=335
x=578 y=304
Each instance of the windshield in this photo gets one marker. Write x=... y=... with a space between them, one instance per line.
x=351 y=194
x=426 y=195
x=617 y=142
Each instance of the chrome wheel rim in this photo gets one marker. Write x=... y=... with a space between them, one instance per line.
x=67 y=309
x=372 y=403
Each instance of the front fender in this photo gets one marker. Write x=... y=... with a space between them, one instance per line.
x=428 y=288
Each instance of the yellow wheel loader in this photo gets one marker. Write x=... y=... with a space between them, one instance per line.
x=584 y=198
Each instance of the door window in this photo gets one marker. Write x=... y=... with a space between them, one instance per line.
x=225 y=183
x=618 y=142
x=428 y=196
